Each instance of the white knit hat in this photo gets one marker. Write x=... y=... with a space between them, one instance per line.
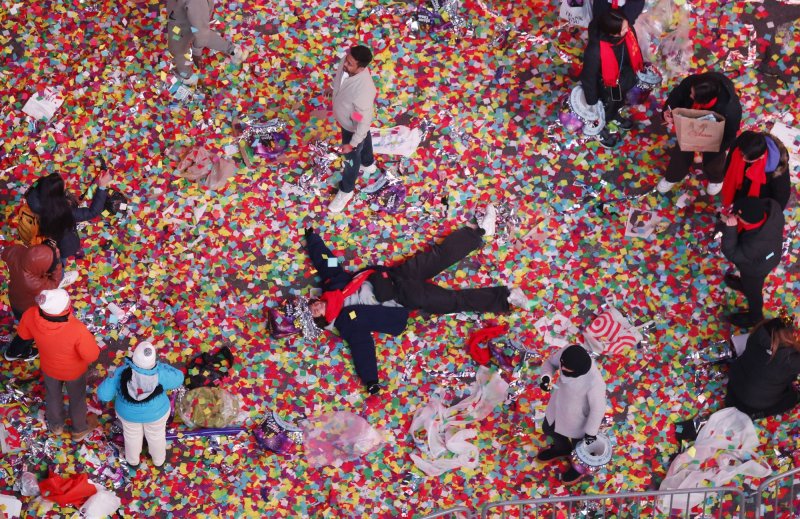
x=144 y=355
x=53 y=302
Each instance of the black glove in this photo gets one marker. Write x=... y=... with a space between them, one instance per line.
x=544 y=384
x=588 y=439
x=308 y=232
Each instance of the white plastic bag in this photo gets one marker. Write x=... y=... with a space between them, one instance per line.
x=103 y=504
x=730 y=438
x=445 y=446
x=333 y=438
x=576 y=12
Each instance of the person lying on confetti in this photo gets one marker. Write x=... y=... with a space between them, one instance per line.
x=379 y=299
x=760 y=381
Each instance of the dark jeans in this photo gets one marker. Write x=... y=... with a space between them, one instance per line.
x=415 y=292
x=560 y=443
x=789 y=399
x=54 y=402
x=681 y=161
x=361 y=155
x=752 y=287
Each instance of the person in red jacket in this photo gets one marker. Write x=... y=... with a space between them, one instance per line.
x=66 y=348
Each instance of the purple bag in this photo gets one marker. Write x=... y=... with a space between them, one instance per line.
x=281 y=320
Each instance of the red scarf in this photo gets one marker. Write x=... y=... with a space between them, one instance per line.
x=608 y=60
x=704 y=106
x=744 y=226
x=734 y=177
x=334 y=299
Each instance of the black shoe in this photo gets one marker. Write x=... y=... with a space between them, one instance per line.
x=743 y=319
x=27 y=356
x=624 y=123
x=733 y=282
x=608 y=140
x=551 y=453
x=572 y=476
x=373 y=388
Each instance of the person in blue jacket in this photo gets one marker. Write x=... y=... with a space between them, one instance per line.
x=379 y=298
x=138 y=390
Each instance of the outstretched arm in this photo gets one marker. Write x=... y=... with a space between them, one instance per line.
x=327 y=265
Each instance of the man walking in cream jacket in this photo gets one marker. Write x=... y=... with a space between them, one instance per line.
x=354 y=108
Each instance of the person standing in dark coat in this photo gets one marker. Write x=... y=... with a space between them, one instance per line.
x=760 y=381
x=378 y=299
x=630 y=8
x=610 y=63
x=59 y=213
x=753 y=240
x=757 y=166
x=709 y=91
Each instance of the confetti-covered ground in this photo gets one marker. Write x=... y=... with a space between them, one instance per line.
x=196 y=268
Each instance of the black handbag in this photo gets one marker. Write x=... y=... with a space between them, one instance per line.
x=209 y=368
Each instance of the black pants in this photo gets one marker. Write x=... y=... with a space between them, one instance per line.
x=752 y=287
x=789 y=399
x=560 y=443
x=360 y=156
x=414 y=292
x=18 y=347
x=681 y=161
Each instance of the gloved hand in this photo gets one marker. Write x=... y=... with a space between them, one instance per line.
x=588 y=439
x=544 y=383
x=308 y=232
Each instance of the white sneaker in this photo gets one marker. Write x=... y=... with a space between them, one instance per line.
x=69 y=278
x=369 y=170
x=664 y=186
x=714 y=188
x=239 y=55
x=340 y=201
x=190 y=81
x=489 y=221
x=517 y=298
x=358 y=3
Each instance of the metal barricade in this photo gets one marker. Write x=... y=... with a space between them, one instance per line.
x=778 y=497
x=457 y=512
x=708 y=503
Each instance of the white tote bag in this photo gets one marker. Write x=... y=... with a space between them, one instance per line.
x=576 y=12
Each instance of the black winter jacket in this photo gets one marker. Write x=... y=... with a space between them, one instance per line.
x=758 y=251
x=632 y=9
x=728 y=105
x=592 y=76
x=70 y=243
x=757 y=381
x=779 y=182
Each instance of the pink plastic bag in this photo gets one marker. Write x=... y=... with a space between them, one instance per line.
x=333 y=438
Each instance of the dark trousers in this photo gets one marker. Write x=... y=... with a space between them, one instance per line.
x=18 y=347
x=787 y=401
x=560 y=443
x=416 y=293
x=752 y=287
x=681 y=161
x=54 y=402
x=361 y=155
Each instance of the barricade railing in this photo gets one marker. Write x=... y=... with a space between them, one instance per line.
x=779 y=496
x=457 y=512
x=709 y=503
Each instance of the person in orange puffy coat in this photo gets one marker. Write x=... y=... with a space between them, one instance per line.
x=66 y=348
